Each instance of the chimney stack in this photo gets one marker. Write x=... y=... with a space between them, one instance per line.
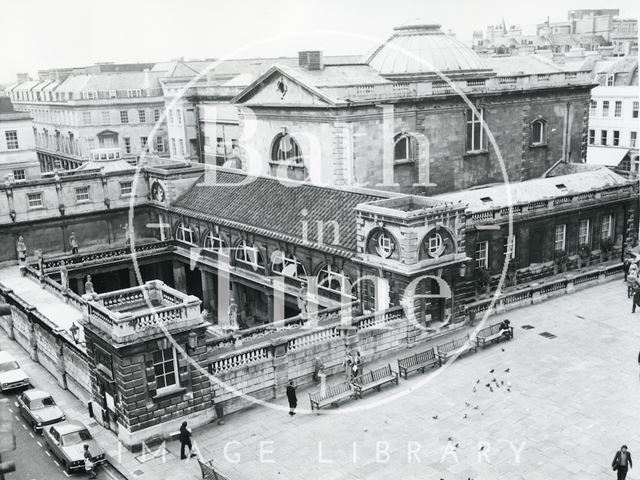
x=23 y=77
x=311 y=60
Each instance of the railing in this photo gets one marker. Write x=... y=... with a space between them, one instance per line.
x=239 y=360
x=537 y=205
x=378 y=319
x=314 y=338
x=68 y=295
x=483 y=215
x=82 y=260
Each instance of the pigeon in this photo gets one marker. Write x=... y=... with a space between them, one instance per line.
x=491 y=389
x=491 y=371
x=449 y=439
x=509 y=384
x=507 y=370
x=465 y=415
x=474 y=389
x=488 y=385
x=435 y=417
x=508 y=390
x=476 y=407
x=456 y=445
x=482 y=448
x=478 y=381
x=494 y=380
x=365 y=430
x=501 y=382
x=467 y=404
x=502 y=349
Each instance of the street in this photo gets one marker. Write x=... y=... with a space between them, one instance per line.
x=33 y=460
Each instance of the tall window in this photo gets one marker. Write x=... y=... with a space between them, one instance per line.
x=633 y=139
x=165 y=368
x=509 y=247
x=179 y=116
x=286 y=149
x=143 y=144
x=170 y=116
x=82 y=194
x=611 y=80
x=560 y=237
x=127 y=144
x=156 y=114
x=405 y=148
x=636 y=108
x=583 y=232
x=126 y=188
x=538 y=132
x=142 y=116
x=482 y=254
x=616 y=138
x=19 y=175
x=173 y=147
x=617 y=112
x=159 y=144
x=34 y=199
x=86 y=118
x=249 y=255
x=106 y=117
x=592 y=137
x=607 y=226
x=213 y=242
x=184 y=233
x=593 y=107
x=124 y=116
x=181 y=147
x=605 y=108
x=475 y=133
x=12 y=139
x=603 y=137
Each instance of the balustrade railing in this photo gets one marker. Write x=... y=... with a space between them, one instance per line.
x=239 y=360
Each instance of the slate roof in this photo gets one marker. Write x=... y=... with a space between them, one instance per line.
x=271 y=207
x=522 y=65
x=535 y=190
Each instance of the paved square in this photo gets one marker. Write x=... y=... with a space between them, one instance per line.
x=573 y=400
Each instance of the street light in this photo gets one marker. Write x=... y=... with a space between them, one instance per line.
x=74 y=329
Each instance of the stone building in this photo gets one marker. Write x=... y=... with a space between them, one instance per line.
x=102 y=110
x=18 y=159
x=392 y=122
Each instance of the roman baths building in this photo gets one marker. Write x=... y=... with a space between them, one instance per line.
x=237 y=268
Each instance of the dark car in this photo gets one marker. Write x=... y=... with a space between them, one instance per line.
x=39 y=409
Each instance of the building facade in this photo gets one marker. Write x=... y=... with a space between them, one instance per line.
x=18 y=158
x=81 y=111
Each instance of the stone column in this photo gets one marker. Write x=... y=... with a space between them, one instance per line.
x=208 y=291
x=33 y=339
x=179 y=276
x=61 y=371
x=79 y=286
x=281 y=369
x=133 y=280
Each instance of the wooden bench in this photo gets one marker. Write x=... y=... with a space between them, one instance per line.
x=492 y=334
x=374 y=379
x=332 y=395
x=418 y=361
x=458 y=346
x=209 y=471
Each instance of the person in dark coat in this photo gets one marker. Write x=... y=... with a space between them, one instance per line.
x=185 y=441
x=625 y=268
x=636 y=300
x=291 y=396
x=622 y=462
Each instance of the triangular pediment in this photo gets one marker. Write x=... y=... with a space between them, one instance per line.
x=281 y=86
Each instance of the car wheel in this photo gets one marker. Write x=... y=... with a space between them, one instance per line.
x=65 y=465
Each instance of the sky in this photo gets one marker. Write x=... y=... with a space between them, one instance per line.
x=37 y=34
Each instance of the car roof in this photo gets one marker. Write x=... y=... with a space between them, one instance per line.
x=35 y=394
x=6 y=356
x=69 y=427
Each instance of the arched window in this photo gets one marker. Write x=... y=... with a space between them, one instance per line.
x=185 y=234
x=288 y=266
x=381 y=243
x=248 y=255
x=436 y=243
x=330 y=279
x=286 y=150
x=213 y=242
x=538 y=132
x=405 y=148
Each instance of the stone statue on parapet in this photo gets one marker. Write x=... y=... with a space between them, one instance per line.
x=88 y=285
x=22 y=250
x=303 y=304
x=233 y=314
x=74 y=243
x=64 y=278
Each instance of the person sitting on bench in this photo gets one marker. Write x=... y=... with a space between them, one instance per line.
x=505 y=329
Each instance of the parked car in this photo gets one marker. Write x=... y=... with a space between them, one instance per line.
x=39 y=409
x=66 y=442
x=11 y=376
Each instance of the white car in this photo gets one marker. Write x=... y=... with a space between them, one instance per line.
x=11 y=376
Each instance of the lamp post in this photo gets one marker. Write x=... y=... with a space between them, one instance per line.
x=74 y=329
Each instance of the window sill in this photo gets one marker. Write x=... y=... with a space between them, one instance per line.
x=475 y=153
x=538 y=145
x=169 y=392
x=32 y=209
x=403 y=162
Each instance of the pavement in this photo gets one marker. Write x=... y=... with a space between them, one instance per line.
x=569 y=400
x=54 y=308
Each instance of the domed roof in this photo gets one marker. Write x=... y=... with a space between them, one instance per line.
x=419 y=48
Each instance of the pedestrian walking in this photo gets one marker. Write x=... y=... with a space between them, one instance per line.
x=622 y=462
x=347 y=364
x=636 y=299
x=74 y=244
x=89 y=466
x=632 y=279
x=185 y=441
x=291 y=396
x=625 y=267
x=359 y=364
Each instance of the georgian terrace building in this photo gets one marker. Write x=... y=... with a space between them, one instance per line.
x=104 y=110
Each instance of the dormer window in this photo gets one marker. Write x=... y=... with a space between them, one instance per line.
x=185 y=234
x=381 y=243
x=486 y=200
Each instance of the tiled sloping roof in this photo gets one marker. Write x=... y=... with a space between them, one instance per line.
x=521 y=64
x=535 y=190
x=276 y=207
